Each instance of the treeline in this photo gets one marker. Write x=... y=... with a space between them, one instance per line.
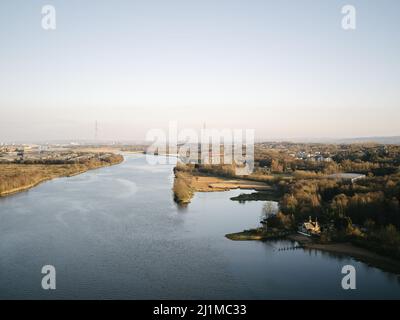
x=376 y=198
x=225 y=171
x=221 y=170
x=378 y=160
x=83 y=158
x=293 y=165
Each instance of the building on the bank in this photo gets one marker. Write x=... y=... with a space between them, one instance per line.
x=310 y=228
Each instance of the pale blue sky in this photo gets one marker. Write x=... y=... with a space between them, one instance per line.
x=284 y=68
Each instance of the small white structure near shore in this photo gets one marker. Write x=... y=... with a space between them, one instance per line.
x=352 y=177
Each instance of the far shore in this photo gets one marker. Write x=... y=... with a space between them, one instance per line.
x=22 y=177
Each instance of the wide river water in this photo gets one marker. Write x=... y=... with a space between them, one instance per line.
x=116 y=233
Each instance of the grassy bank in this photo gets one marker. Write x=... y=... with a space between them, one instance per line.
x=18 y=177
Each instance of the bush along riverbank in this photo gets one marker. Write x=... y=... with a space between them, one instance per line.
x=257 y=234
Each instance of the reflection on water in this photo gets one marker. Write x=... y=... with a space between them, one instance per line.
x=116 y=233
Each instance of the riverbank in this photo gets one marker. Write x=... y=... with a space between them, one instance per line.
x=17 y=177
x=346 y=249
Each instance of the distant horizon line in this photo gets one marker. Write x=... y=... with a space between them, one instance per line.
x=360 y=139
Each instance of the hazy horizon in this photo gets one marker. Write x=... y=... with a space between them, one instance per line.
x=286 y=69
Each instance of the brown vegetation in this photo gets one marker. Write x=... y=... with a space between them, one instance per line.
x=17 y=177
x=182 y=189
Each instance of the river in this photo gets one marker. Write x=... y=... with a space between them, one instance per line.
x=116 y=233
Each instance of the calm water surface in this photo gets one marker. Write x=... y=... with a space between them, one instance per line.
x=115 y=233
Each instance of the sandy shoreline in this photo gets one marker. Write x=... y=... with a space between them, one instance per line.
x=211 y=184
x=344 y=249
x=348 y=249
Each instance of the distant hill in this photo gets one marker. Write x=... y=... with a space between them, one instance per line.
x=380 y=140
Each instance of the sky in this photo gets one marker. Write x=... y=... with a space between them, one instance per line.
x=286 y=69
